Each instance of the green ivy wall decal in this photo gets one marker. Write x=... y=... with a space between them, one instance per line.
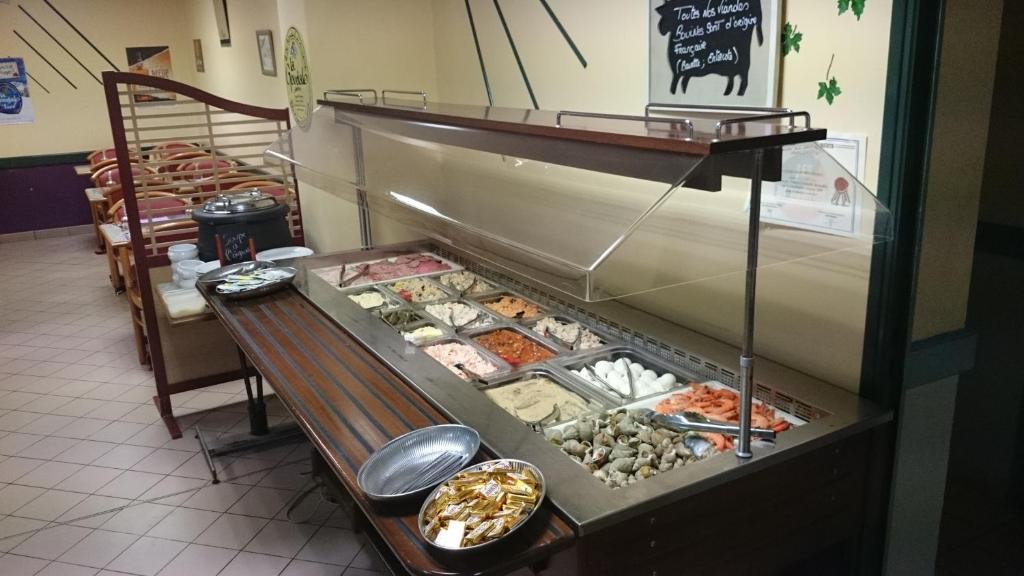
x=856 y=5
x=790 y=39
x=829 y=89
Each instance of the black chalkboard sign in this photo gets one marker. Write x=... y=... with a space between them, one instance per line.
x=235 y=243
x=712 y=38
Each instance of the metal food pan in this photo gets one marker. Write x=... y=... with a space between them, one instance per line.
x=599 y=402
x=495 y=320
x=386 y=287
x=328 y=272
x=483 y=300
x=445 y=331
x=496 y=288
x=616 y=352
x=503 y=368
x=390 y=302
x=527 y=334
x=605 y=338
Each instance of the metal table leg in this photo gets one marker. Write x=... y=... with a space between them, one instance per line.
x=260 y=433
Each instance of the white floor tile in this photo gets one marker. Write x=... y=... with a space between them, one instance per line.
x=49 y=474
x=173 y=490
x=15 y=420
x=162 y=461
x=282 y=539
x=231 y=531
x=50 y=543
x=129 y=484
x=15 y=467
x=216 y=497
x=62 y=569
x=137 y=518
x=15 y=442
x=117 y=432
x=304 y=568
x=14 y=496
x=123 y=456
x=50 y=505
x=77 y=407
x=147 y=556
x=89 y=479
x=184 y=524
x=93 y=511
x=368 y=559
x=14 y=531
x=83 y=428
x=85 y=452
x=332 y=546
x=12 y=565
x=98 y=548
x=198 y=560
x=262 y=502
x=47 y=424
x=48 y=448
x=250 y=564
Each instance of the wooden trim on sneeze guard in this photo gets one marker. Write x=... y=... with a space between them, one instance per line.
x=349 y=404
x=200 y=116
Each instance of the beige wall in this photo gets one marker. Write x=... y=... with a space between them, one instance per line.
x=959 y=139
x=234 y=71
x=70 y=120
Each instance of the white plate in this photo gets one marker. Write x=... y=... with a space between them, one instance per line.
x=284 y=253
x=207 y=267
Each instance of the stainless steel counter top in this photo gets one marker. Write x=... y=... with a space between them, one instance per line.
x=584 y=501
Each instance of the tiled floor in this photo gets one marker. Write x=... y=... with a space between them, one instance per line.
x=90 y=481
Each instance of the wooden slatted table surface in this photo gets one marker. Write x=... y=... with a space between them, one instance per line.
x=349 y=404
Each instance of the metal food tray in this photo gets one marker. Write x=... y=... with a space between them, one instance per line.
x=484 y=299
x=517 y=466
x=386 y=287
x=389 y=300
x=599 y=403
x=453 y=267
x=591 y=357
x=391 y=466
x=605 y=338
x=495 y=319
x=537 y=339
x=503 y=368
x=220 y=275
x=497 y=288
x=652 y=401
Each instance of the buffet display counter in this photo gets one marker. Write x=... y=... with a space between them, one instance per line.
x=508 y=319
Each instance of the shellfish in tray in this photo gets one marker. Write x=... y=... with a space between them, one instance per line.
x=720 y=405
x=619 y=450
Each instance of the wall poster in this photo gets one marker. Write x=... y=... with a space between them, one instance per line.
x=15 y=101
x=714 y=52
x=151 y=61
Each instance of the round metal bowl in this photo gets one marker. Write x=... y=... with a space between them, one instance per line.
x=517 y=466
x=396 y=463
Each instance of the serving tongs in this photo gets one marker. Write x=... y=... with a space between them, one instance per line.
x=472 y=375
x=571 y=345
x=607 y=386
x=539 y=425
x=343 y=282
x=464 y=291
x=698 y=423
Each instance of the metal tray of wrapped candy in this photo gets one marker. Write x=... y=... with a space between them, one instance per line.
x=481 y=505
x=249 y=279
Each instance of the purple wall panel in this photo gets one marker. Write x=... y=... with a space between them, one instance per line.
x=42 y=197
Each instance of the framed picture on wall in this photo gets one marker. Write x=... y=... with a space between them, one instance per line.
x=220 y=13
x=265 y=45
x=724 y=53
x=197 y=47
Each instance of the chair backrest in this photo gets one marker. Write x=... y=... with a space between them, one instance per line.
x=171 y=165
x=159 y=205
x=111 y=175
x=168 y=149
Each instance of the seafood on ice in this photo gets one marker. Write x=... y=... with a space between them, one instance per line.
x=620 y=451
x=722 y=405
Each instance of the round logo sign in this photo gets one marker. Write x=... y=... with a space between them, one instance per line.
x=296 y=70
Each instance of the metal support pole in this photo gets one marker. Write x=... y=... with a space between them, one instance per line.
x=750 y=297
x=362 y=205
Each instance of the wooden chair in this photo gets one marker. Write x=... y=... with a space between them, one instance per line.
x=105 y=157
x=168 y=203
x=110 y=175
x=175 y=161
x=187 y=231
x=168 y=149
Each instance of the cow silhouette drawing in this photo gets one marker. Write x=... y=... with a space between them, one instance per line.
x=710 y=37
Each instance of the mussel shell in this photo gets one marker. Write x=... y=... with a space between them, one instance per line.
x=603 y=439
x=622 y=451
x=571 y=432
x=586 y=431
x=624 y=465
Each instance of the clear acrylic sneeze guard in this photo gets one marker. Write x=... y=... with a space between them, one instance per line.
x=583 y=232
